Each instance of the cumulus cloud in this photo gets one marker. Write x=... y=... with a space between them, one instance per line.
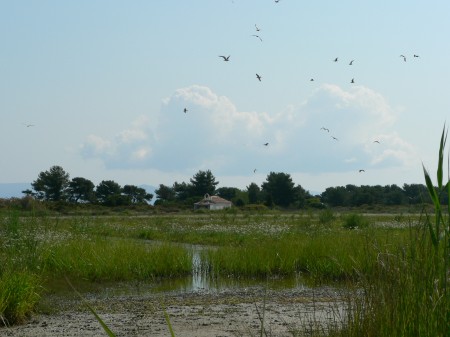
x=214 y=134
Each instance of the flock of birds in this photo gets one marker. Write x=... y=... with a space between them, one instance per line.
x=226 y=58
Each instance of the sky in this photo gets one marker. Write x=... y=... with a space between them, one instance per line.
x=99 y=88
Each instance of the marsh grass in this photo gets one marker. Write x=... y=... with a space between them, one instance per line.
x=406 y=293
x=19 y=294
x=330 y=256
x=102 y=259
x=250 y=245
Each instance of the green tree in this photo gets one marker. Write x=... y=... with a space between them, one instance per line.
x=182 y=191
x=254 y=193
x=279 y=189
x=335 y=196
x=81 y=190
x=137 y=195
x=228 y=193
x=203 y=182
x=52 y=185
x=300 y=196
x=164 y=193
x=108 y=193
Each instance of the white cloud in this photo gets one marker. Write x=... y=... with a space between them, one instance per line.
x=214 y=134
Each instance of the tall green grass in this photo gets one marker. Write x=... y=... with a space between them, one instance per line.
x=102 y=259
x=406 y=294
x=330 y=256
x=19 y=294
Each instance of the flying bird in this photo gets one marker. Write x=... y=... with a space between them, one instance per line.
x=265 y=144
x=416 y=55
x=376 y=141
x=257 y=28
x=259 y=37
x=336 y=59
x=351 y=62
x=404 y=57
x=258 y=77
x=254 y=171
x=325 y=129
x=225 y=58
x=352 y=81
x=334 y=138
x=277 y=1
x=185 y=110
x=28 y=125
x=361 y=171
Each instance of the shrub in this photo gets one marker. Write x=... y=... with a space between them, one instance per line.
x=353 y=221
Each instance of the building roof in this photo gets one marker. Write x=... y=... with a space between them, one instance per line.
x=212 y=199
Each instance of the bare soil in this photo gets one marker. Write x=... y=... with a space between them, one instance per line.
x=225 y=313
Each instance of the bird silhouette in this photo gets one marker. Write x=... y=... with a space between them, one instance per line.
x=376 y=141
x=28 y=125
x=334 y=138
x=258 y=77
x=352 y=81
x=416 y=55
x=311 y=80
x=336 y=59
x=361 y=171
x=265 y=144
x=185 y=110
x=325 y=129
x=351 y=62
x=254 y=171
x=404 y=57
x=225 y=58
x=257 y=28
x=257 y=37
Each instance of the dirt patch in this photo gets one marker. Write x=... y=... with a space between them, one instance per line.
x=224 y=313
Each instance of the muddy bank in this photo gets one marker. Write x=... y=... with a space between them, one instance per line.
x=226 y=313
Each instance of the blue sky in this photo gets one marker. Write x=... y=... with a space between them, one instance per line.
x=105 y=83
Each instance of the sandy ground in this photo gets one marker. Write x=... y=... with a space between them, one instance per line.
x=201 y=314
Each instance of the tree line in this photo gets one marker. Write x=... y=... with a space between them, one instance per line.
x=277 y=190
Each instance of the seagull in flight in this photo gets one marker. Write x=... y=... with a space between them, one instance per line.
x=351 y=62
x=28 y=125
x=416 y=55
x=352 y=81
x=265 y=144
x=376 y=141
x=334 y=138
x=336 y=59
x=258 y=77
x=325 y=129
x=225 y=58
x=311 y=80
x=259 y=37
x=257 y=28
x=361 y=171
x=404 y=57
x=254 y=171
x=185 y=110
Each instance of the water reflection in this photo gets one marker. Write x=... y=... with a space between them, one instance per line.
x=202 y=281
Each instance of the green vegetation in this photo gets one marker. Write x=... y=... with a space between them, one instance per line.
x=396 y=267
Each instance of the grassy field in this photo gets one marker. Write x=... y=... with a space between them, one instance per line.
x=390 y=257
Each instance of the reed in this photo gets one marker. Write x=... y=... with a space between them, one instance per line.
x=102 y=259
x=406 y=293
x=19 y=294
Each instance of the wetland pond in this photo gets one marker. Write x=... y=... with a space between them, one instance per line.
x=197 y=305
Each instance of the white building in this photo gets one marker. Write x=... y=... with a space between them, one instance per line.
x=212 y=202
